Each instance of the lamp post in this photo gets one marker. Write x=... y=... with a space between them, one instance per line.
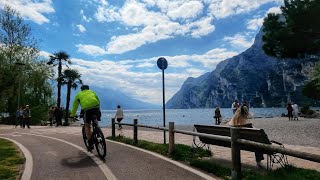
x=19 y=88
x=163 y=64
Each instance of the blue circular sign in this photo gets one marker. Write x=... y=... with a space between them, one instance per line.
x=162 y=63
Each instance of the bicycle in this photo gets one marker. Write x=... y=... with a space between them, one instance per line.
x=97 y=137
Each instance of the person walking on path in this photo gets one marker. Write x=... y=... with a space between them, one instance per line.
x=26 y=116
x=119 y=116
x=235 y=106
x=58 y=114
x=295 y=114
x=217 y=115
x=51 y=115
x=290 y=110
x=19 y=117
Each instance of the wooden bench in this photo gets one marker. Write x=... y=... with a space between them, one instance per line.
x=246 y=132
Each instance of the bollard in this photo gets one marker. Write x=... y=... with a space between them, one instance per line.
x=235 y=154
x=171 y=138
x=113 y=125
x=135 y=131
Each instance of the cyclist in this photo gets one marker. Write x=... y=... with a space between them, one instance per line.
x=90 y=105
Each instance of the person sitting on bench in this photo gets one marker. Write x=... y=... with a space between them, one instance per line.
x=240 y=118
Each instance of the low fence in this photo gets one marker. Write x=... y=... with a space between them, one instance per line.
x=235 y=144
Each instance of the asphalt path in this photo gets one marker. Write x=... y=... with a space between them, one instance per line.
x=59 y=153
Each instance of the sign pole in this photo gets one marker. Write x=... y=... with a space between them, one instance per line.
x=164 y=108
x=163 y=64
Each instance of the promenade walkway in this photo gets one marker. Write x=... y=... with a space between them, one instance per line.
x=59 y=153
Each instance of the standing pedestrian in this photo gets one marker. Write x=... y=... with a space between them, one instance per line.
x=51 y=115
x=217 y=115
x=235 y=106
x=290 y=109
x=17 y=118
x=21 y=117
x=295 y=114
x=26 y=116
x=58 y=114
x=119 y=116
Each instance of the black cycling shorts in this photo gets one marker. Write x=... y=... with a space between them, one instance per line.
x=90 y=114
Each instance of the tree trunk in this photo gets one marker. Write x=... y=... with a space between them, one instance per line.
x=59 y=84
x=68 y=103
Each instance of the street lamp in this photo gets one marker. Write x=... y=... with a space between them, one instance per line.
x=20 y=64
x=163 y=64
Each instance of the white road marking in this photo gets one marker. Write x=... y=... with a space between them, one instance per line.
x=104 y=168
x=14 y=135
x=199 y=173
x=26 y=175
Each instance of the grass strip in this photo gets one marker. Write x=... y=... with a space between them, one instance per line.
x=197 y=158
x=10 y=160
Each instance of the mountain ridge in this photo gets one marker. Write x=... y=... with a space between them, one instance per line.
x=251 y=76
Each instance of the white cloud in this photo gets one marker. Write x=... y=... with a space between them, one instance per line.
x=275 y=10
x=30 y=10
x=239 y=41
x=125 y=74
x=91 y=49
x=81 y=28
x=225 y=8
x=44 y=54
x=150 y=26
x=193 y=72
x=84 y=17
x=256 y=23
x=187 y=10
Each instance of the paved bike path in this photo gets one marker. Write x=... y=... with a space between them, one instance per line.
x=57 y=154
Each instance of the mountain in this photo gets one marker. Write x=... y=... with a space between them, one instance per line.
x=252 y=76
x=109 y=99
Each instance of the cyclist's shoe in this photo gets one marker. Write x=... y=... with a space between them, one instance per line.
x=90 y=145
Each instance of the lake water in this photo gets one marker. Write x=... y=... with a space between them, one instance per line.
x=183 y=116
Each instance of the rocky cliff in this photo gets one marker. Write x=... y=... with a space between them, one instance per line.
x=252 y=76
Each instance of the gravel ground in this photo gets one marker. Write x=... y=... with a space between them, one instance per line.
x=304 y=132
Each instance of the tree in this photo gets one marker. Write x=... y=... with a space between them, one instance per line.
x=295 y=34
x=20 y=62
x=59 y=57
x=17 y=46
x=71 y=78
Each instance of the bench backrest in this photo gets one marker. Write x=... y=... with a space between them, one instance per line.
x=252 y=134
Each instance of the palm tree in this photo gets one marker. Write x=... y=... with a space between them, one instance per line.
x=58 y=57
x=71 y=78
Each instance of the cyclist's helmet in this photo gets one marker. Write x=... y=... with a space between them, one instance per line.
x=84 y=87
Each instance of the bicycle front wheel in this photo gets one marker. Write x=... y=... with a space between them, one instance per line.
x=84 y=135
x=100 y=143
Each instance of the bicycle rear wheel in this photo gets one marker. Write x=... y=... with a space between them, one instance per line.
x=100 y=143
x=84 y=136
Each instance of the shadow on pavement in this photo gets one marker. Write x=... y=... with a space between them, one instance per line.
x=82 y=160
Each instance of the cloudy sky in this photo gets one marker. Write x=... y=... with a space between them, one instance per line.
x=116 y=43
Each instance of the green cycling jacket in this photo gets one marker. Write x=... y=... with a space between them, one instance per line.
x=87 y=99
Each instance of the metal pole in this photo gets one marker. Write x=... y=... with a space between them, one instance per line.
x=19 y=92
x=164 y=108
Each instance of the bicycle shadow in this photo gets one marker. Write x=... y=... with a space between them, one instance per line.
x=79 y=161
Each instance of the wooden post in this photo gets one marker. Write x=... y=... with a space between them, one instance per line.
x=171 y=138
x=235 y=154
x=113 y=128
x=135 y=131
